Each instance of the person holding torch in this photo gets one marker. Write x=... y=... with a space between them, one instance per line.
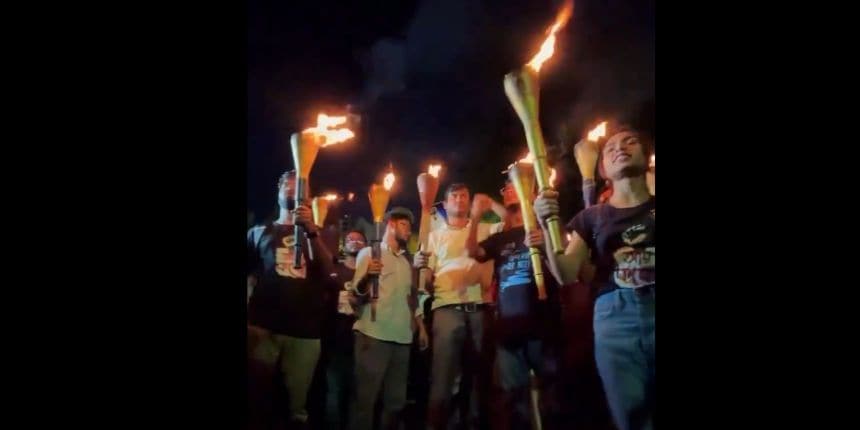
x=286 y=308
x=338 y=339
x=586 y=152
x=382 y=345
x=460 y=309
x=523 y=320
x=621 y=237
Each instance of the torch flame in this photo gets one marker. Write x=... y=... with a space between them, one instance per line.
x=389 y=181
x=350 y=197
x=653 y=163
x=548 y=46
x=433 y=170
x=597 y=132
x=530 y=159
x=331 y=197
x=326 y=121
x=324 y=129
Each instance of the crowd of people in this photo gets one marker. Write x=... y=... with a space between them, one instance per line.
x=336 y=341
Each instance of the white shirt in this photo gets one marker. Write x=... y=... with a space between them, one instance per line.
x=393 y=314
x=458 y=278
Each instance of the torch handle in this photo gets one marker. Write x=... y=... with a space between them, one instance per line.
x=537 y=268
x=553 y=223
x=589 y=192
x=553 y=226
x=423 y=233
x=534 y=395
x=523 y=90
x=299 y=231
x=375 y=253
x=422 y=277
x=297 y=261
x=529 y=223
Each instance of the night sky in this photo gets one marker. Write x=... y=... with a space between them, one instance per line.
x=426 y=79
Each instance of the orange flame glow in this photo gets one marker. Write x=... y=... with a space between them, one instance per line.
x=433 y=170
x=547 y=48
x=389 y=181
x=350 y=197
x=326 y=121
x=530 y=159
x=597 y=132
x=324 y=129
x=331 y=197
x=653 y=163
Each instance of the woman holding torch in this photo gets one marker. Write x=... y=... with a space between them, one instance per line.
x=621 y=237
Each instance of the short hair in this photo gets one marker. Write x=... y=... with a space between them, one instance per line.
x=398 y=213
x=356 y=231
x=456 y=186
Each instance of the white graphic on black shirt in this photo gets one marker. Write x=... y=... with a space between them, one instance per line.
x=285 y=257
x=634 y=267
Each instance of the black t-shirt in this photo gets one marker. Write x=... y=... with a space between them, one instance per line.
x=521 y=315
x=337 y=335
x=622 y=244
x=286 y=300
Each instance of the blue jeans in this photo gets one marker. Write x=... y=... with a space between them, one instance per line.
x=624 y=350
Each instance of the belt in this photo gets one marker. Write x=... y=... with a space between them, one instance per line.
x=467 y=307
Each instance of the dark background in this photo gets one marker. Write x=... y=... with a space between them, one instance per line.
x=425 y=79
x=135 y=142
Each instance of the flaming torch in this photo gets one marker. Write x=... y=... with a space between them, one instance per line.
x=428 y=187
x=522 y=88
x=522 y=175
x=586 y=153
x=305 y=147
x=553 y=175
x=319 y=205
x=379 y=196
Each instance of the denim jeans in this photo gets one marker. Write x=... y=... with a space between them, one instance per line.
x=624 y=349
